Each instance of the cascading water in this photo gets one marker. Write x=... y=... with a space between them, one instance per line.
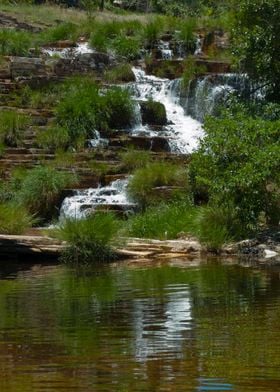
x=85 y=201
x=182 y=131
x=207 y=93
x=80 y=48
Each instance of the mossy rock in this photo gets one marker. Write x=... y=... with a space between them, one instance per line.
x=153 y=113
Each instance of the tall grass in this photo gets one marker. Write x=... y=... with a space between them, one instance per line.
x=12 y=125
x=63 y=31
x=133 y=159
x=85 y=109
x=40 y=190
x=14 y=43
x=165 y=221
x=89 y=240
x=121 y=73
x=217 y=225
x=145 y=183
x=14 y=219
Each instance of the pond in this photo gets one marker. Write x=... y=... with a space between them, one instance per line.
x=168 y=327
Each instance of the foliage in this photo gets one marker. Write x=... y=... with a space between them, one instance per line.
x=238 y=161
x=217 y=225
x=256 y=44
x=191 y=71
x=134 y=159
x=84 y=109
x=14 y=43
x=89 y=240
x=186 y=35
x=153 y=112
x=121 y=73
x=144 y=185
x=63 y=31
x=165 y=221
x=120 y=107
x=12 y=125
x=152 y=31
x=40 y=190
x=54 y=138
x=14 y=219
x=128 y=47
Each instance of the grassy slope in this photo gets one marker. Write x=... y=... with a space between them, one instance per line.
x=48 y=15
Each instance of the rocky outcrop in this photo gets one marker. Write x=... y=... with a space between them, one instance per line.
x=8 y=21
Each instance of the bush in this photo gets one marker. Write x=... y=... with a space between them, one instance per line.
x=83 y=110
x=14 y=43
x=40 y=190
x=63 y=31
x=241 y=168
x=54 y=138
x=12 y=124
x=128 y=47
x=89 y=240
x=120 y=107
x=14 y=219
x=152 y=31
x=217 y=225
x=186 y=34
x=165 y=221
x=145 y=183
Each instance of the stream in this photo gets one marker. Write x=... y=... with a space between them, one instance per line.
x=177 y=326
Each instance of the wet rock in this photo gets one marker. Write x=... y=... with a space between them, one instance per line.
x=27 y=67
x=153 y=113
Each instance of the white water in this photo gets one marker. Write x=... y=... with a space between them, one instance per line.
x=85 y=201
x=183 y=131
x=81 y=48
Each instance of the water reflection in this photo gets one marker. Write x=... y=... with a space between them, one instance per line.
x=160 y=323
x=208 y=328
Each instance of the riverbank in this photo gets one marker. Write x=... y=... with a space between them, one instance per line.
x=265 y=248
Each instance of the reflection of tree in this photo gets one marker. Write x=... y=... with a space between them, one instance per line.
x=164 y=327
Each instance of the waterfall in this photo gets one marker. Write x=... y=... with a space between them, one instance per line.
x=206 y=94
x=182 y=131
x=83 y=202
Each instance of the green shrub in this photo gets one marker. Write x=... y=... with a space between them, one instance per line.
x=14 y=43
x=84 y=109
x=12 y=125
x=152 y=31
x=134 y=159
x=63 y=31
x=120 y=107
x=54 y=138
x=186 y=34
x=217 y=225
x=14 y=219
x=89 y=240
x=81 y=111
x=165 y=221
x=128 y=47
x=40 y=190
x=121 y=73
x=241 y=168
x=191 y=71
x=145 y=183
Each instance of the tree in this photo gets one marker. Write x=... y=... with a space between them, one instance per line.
x=238 y=162
x=256 y=39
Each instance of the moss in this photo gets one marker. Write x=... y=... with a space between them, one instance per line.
x=153 y=113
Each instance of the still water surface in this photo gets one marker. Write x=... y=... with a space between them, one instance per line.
x=211 y=327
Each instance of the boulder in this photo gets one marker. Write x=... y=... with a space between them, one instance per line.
x=153 y=113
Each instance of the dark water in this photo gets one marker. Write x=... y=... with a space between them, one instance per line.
x=209 y=328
